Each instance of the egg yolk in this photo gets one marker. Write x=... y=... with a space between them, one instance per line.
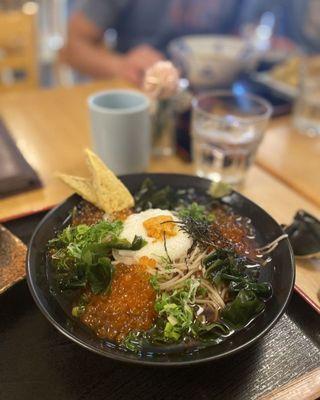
x=160 y=226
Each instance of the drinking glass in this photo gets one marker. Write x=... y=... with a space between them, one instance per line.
x=163 y=129
x=306 y=117
x=227 y=129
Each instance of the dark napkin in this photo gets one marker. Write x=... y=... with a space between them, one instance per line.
x=16 y=174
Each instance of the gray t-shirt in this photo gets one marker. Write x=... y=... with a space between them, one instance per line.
x=156 y=22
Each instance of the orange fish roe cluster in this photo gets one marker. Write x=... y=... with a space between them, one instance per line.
x=123 y=214
x=159 y=226
x=147 y=262
x=129 y=306
x=86 y=213
x=235 y=231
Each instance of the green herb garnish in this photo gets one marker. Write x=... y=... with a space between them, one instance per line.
x=176 y=311
x=154 y=282
x=177 y=320
x=81 y=255
x=77 y=237
x=133 y=341
x=196 y=212
x=80 y=308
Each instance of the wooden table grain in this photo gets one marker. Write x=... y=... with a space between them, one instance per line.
x=51 y=129
x=292 y=157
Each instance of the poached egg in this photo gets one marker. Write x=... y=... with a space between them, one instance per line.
x=162 y=235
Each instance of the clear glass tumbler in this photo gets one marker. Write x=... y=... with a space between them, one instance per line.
x=306 y=115
x=227 y=129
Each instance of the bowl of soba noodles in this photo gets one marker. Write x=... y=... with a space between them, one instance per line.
x=179 y=272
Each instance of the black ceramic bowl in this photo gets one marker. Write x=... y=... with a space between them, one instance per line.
x=280 y=273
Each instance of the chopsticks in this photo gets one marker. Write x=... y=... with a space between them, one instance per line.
x=305 y=387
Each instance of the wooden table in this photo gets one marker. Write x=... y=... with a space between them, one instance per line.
x=292 y=157
x=51 y=129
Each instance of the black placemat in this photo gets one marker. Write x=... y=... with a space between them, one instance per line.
x=36 y=362
x=16 y=174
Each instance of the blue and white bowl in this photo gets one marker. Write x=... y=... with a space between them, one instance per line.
x=211 y=60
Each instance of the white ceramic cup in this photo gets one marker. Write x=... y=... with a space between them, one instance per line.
x=120 y=127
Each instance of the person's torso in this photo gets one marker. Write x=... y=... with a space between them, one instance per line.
x=156 y=22
x=303 y=24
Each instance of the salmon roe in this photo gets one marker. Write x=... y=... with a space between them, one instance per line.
x=122 y=215
x=148 y=262
x=129 y=306
x=236 y=231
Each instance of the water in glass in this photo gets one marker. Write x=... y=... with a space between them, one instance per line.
x=307 y=108
x=222 y=155
x=225 y=142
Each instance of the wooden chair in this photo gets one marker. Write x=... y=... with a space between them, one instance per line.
x=18 y=49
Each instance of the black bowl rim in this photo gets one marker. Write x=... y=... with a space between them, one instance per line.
x=123 y=358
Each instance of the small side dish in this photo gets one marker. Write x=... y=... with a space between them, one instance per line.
x=12 y=259
x=158 y=269
x=286 y=77
x=287 y=72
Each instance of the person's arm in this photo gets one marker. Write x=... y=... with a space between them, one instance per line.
x=86 y=52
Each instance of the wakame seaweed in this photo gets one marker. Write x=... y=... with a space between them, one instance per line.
x=80 y=255
x=149 y=196
x=237 y=272
x=167 y=198
x=242 y=309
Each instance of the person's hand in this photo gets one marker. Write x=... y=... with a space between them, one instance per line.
x=283 y=43
x=132 y=65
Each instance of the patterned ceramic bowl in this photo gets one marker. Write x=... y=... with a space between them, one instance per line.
x=211 y=60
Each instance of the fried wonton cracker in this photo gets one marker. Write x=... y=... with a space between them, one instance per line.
x=82 y=186
x=111 y=193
